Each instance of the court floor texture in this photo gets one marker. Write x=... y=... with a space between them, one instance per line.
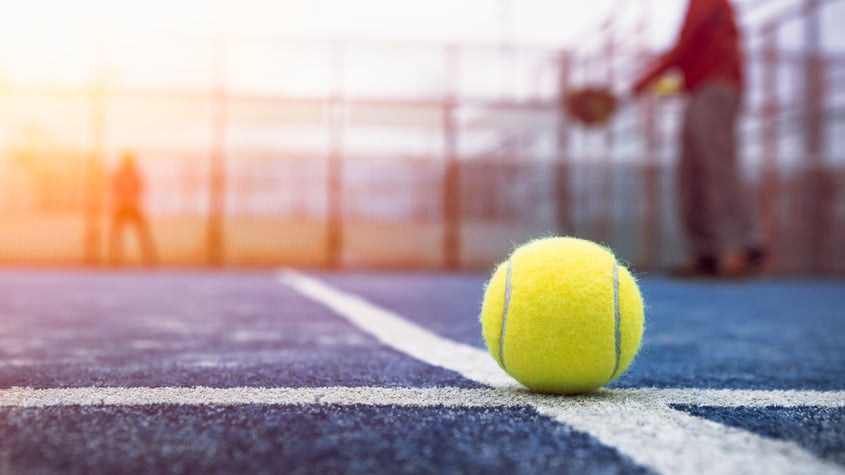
x=304 y=371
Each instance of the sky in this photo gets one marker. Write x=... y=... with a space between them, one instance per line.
x=545 y=22
x=32 y=28
x=52 y=38
x=550 y=23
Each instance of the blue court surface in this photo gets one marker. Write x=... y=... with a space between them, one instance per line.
x=386 y=372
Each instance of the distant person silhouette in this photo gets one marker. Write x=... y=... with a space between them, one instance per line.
x=717 y=210
x=127 y=190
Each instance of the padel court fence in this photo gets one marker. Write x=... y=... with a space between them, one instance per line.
x=264 y=153
x=393 y=213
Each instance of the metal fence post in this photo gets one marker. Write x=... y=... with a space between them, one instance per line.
x=334 y=179
x=818 y=188
x=650 y=231
x=769 y=179
x=217 y=159
x=451 y=177
x=562 y=198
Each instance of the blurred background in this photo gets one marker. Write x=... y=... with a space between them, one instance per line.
x=392 y=133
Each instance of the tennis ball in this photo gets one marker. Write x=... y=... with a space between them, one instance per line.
x=668 y=85
x=561 y=315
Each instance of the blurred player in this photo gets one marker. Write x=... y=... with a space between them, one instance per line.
x=127 y=187
x=717 y=210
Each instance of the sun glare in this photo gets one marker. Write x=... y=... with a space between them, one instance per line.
x=61 y=42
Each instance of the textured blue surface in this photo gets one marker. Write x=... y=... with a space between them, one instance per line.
x=186 y=329
x=785 y=334
x=73 y=329
x=297 y=440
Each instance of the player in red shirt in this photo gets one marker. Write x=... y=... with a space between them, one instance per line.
x=717 y=210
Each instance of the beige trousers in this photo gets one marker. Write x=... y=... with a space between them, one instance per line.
x=717 y=209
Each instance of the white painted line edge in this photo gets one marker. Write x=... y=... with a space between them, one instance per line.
x=377 y=396
x=640 y=425
x=422 y=397
x=396 y=332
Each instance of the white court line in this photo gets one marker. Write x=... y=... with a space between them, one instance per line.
x=402 y=335
x=639 y=423
x=376 y=396
x=745 y=398
x=381 y=396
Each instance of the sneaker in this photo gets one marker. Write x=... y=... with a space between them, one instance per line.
x=699 y=266
x=748 y=263
x=757 y=258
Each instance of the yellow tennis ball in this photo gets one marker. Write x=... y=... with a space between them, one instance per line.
x=668 y=85
x=561 y=315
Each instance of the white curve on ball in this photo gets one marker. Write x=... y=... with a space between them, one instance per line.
x=505 y=314
x=616 y=320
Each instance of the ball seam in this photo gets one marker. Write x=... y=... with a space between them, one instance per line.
x=505 y=314
x=617 y=332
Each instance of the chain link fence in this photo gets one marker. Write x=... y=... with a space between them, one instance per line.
x=263 y=152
